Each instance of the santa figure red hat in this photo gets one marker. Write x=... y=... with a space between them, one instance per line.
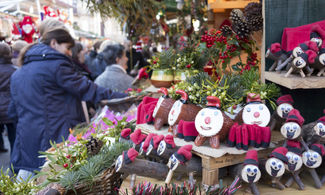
x=169 y=140
x=145 y=110
x=285 y=99
x=251 y=158
x=319 y=148
x=27 y=26
x=130 y=155
x=294 y=146
x=309 y=45
x=294 y=116
x=147 y=141
x=137 y=137
x=125 y=133
x=276 y=49
x=309 y=56
x=280 y=153
x=317 y=34
x=184 y=154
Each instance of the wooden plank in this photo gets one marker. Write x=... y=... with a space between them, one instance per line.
x=210 y=177
x=295 y=81
x=262 y=69
x=221 y=4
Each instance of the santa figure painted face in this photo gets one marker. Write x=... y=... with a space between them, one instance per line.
x=294 y=162
x=291 y=130
x=255 y=112
x=284 y=109
x=275 y=167
x=311 y=159
x=209 y=121
x=292 y=127
x=251 y=173
x=174 y=112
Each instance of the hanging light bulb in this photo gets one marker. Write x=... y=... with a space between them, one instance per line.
x=180 y=4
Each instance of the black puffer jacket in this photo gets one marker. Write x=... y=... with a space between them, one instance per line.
x=6 y=70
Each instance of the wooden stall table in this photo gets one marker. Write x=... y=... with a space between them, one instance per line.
x=213 y=159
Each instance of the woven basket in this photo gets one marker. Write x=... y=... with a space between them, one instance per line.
x=108 y=182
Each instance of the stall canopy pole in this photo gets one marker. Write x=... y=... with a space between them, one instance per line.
x=38 y=8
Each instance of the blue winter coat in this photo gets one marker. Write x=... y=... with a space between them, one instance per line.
x=46 y=94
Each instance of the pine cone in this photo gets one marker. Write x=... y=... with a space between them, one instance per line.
x=226 y=30
x=242 y=29
x=93 y=146
x=255 y=23
x=236 y=16
x=253 y=9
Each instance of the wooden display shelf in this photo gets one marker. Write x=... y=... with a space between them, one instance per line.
x=229 y=4
x=213 y=159
x=295 y=81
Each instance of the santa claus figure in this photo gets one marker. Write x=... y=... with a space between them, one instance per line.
x=212 y=124
x=292 y=127
x=255 y=112
x=27 y=26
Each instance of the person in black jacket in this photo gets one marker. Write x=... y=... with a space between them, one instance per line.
x=6 y=70
x=46 y=97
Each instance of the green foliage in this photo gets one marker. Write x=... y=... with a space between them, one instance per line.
x=89 y=172
x=191 y=58
x=10 y=185
x=127 y=12
x=118 y=126
x=164 y=60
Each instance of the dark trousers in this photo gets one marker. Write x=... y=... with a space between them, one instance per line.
x=11 y=127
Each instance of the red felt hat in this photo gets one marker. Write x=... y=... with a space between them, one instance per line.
x=125 y=133
x=156 y=140
x=319 y=148
x=137 y=137
x=275 y=47
x=285 y=99
x=213 y=101
x=317 y=32
x=311 y=56
x=294 y=146
x=253 y=97
x=183 y=94
x=294 y=116
x=169 y=139
x=145 y=110
x=280 y=153
x=189 y=131
x=147 y=141
x=184 y=153
x=130 y=155
x=309 y=45
x=251 y=158
x=143 y=73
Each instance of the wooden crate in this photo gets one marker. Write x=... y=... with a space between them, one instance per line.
x=213 y=159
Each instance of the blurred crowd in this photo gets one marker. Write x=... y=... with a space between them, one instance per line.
x=43 y=84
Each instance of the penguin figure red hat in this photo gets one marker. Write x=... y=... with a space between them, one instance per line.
x=137 y=137
x=251 y=158
x=169 y=140
x=294 y=116
x=276 y=49
x=184 y=154
x=130 y=155
x=294 y=146
x=125 y=133
x=280 y=153
x=319 y=148
x=285 y=99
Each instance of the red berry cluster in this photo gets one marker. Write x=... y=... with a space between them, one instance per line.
x=210 y=38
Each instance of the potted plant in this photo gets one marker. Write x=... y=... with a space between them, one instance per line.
x=162 y=67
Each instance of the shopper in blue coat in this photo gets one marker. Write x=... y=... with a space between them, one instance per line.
x=46 y=94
